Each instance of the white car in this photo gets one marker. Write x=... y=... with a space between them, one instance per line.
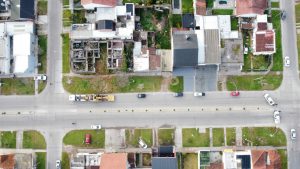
x=245 y=50
x=276 y=116
x=293 y=134
x=196 y=94
x=40 y=77
x=58 y=164
x=269 y=100
x=142 y=143
x=96 y=126
x=287 y=61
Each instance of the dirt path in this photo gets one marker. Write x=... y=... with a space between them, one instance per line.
x=165 y=84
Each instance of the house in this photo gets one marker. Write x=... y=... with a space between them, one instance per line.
x=263 y=37
x=17 y=48
x=114 y=160
x=86 y=161
x=92 y=4
x=165 y=159
x=237 y=159
x=140 y=58
x=250 y=8
x=265 y=159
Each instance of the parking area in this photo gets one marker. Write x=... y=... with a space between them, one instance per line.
x=188 y=77
x=206 y=78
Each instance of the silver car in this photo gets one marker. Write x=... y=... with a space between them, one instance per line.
x=269 y=100
x=276 y=116
x=293 y=134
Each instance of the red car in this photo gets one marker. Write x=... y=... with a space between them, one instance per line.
x=88 y=139
x=235 y=93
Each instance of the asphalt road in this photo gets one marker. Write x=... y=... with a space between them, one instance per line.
x=53 y=114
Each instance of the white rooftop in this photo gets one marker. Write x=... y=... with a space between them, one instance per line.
x=210 y=22
x=262 y=18
x=140 y=59
x=224 y=22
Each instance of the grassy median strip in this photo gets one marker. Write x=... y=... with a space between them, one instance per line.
x=42 y=54
x=42 y=7
x=277 y=57
x=192 y=137
x=65 y=161
x=41 y=160
x=166 y=136
x=8 y=139
x=218 y=137
x=133 y=136
x=33 y=139
x=297 y=10
x=17 y=86
x=77 y=138
x=254 y=82
x=298 y=44
x=283 y=158
x=263 y=136
x=230 y=136
x=66 y=53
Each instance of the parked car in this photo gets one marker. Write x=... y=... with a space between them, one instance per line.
x=88 y=138
x=269 y=100
x=293 y=134
x=40 y=77
x=180 y=94
x=142 y=143
x=235 y=93
x=58 y=166
x=141 y=95
x=287 y=61
x=276 y=116
x=96 y=126
x=246 y=50
x=199 y=94
x=283 y=15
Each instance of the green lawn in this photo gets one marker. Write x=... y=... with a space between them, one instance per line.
x=176 y=84
x=176 y=21
x=277 y=57
x=17 y=86
x=67 y=17
x=234 y=23
x=42 y=53
x=132 y=137
x=65 y=2
x=112 y=84
x=166 y=136
x=7 y=139
x=254 y=82
x=298 y=44
x=78 y=16
x=66 y=54
x=41 y=159
x=264 y=136
x=209 y=3
x=190 y=161
x=218 y=137
x=77 y=137
x=42 y=85
x=247 y=62
x=42 y=7
x=34 y=140
x=283 y=158
x=192 y=138
x=230 y=136
x=297 y=10
x=260 y=62
x=222 y=11
x=187 y=6
x=65 y=161
x=275 y=4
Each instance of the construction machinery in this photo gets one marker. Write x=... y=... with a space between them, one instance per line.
x=92 y=98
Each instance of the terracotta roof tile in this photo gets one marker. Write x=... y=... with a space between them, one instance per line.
x=113 y=161
x=262 y=26
x=259 y=159
x=265 y=41
x=201 y=7
x=7 y=161
x=244 y=7
x=101 y=2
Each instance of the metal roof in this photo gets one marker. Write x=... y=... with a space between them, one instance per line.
x=212 y=46
x=164 y=163
x=27 y=9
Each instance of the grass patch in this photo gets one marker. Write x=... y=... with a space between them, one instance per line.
x=65 y=2
x=66 y=54
x=132 y=137
x=77 y=138
x=42 y=53
x=67 y=17
x=234 y=23
x=230 y=136
x=298 y=44
x=283 y=158
x=264 y=136
x=222 y=11
x=146 y=159
x=65 y=161
x=42 y=85
x=146 y=20
x=277 y=57
x=260 y=62
x=192 y=138
x=218 y=137
x=41 y=160
x=42 y=7
x=187 y=6
x=17 y=86
x=256 y=82
x=176 y=84
x=247 y=62
x=78 y=16
x=33 y=139
x=190 y=161
x=176 y=21
x=112 y=84
x=209 y=3
x=297 y=10
x=8 y=139
x=275 y=4
x=166 y=137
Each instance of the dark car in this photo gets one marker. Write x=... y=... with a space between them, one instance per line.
x=283 y=15
x=88 y=139
x=141 y=95
x=180 y=94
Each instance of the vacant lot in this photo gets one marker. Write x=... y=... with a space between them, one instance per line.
x=264 y=136
x=257 y=82
x=133 y=136
x=166 y=136
x=218 y=137
x=191 y=137
x=230 y=136
x=17 y=86
x=190 y=161
x=77 y=138
x=34 y=140
x=8 y=139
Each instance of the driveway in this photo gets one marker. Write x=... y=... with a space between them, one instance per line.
x=188 y=77
x=206 y=78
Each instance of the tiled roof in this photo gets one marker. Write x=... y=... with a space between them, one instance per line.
x=201 y=7
x=101 y=2
x=247 y=26
x=265 y=41
x=113 y=160
x=244 y=7
x=260 y=159
x=7 y=161
x=262 y=26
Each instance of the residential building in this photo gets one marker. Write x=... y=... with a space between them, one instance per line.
x=250 y=8
x=86 y=161
x=92 y=4
x=140 y=58
x=237 y=159
x=265 y=159
x=12 y=161
x=114 y=160
x=165 y=158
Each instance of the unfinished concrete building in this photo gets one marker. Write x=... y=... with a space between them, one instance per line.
x=83 y=55
x=115 y=54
